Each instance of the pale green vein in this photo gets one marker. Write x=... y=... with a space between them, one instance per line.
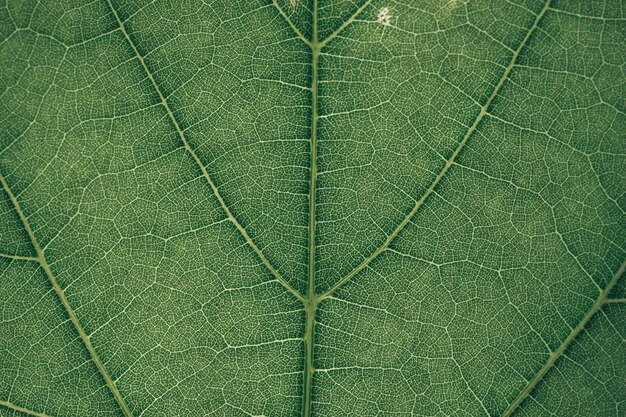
x=483 y=111
x=41 y=258
x=311 y=299
x=198 y=162
x=345 y=24
x=18 y=257
x=309 y=367
x=22 y=409
x=554 y=356
x=291 y=24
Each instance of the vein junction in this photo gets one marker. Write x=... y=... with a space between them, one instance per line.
x=311 y=299
x=41 y=259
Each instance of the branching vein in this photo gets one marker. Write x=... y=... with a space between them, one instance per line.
x=41 y=258
x=483 y=111
x=198 y=162
x=18 y=257
x=291 y=24
x=345 y=24
x=22 y=409
x=554 y=356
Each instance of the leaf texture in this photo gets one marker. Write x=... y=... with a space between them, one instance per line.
x=312 y=208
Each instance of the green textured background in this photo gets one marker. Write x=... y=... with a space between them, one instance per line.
x=279 y=208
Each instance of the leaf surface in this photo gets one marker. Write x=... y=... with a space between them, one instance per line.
x=312 y=208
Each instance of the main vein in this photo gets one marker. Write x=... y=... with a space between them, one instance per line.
x=311 y=297
x=554 y=356
x=198 y=162
x=312 y=300
x=483 y=111
x=41 y=258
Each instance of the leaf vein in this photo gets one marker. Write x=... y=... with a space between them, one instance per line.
x=560 y=351
x=291 y=24
x=16 y=407
x=450 y=162
x=198 y=162
x=18 y=257
x=311 y=298
x=41 y=258
x=345 y=24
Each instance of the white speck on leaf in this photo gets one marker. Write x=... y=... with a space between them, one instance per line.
x=384 y=17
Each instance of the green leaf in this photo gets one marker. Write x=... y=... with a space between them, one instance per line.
x=312 y=208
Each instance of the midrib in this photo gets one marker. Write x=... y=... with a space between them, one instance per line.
x=311 y=301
